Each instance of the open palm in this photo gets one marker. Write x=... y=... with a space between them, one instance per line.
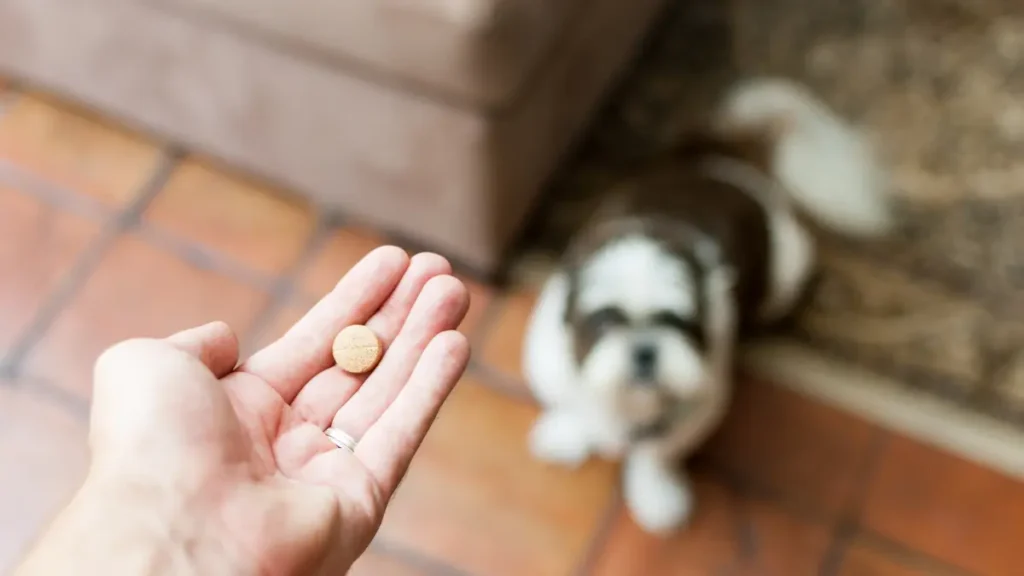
x=255 y=431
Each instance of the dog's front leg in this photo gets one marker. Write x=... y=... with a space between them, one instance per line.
x=560 y=436
x=657 y=494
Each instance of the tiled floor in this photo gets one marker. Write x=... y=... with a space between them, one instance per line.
x=106 y=234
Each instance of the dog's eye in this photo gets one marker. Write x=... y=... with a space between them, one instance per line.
x=673 y=320
x=605 y=319
x=690 y=329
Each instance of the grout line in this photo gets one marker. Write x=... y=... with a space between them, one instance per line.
x=428 y=565
x=846 y=529
x=748 y=542
x=488 y=318
x=83 y=268
x=283 y=290
x=204 y=257
x=872 y=459
x=47 y=391
x=835 y=554
x=601 y=536
x=53 y=194
x=324 y=228
x=280 y=286
x=196 y=254
x=751 y=490
x=492 y=377
x=910 y=556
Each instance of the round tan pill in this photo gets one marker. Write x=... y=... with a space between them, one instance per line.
x=357 y=349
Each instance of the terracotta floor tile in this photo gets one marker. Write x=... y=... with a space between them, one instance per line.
x=257 y=225
x=45 y=457
x=75 y=150
x=481 y=297
x=797 y=449
x=38 y=244
x=728 y=535
x=864 y=559
x=373 y=563
x=948 y=508
x=137 y=290
x=341 y=252
x=503 y=342
x=280 y=322
x=476 y=500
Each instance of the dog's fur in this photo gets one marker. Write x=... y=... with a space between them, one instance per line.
x=630 y=347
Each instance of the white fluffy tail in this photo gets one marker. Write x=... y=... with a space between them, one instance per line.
x=827 y=166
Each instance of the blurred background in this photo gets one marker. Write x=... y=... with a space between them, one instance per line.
x=164 y=163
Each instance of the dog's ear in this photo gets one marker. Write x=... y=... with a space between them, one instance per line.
x=707 y=252
x=720 y=279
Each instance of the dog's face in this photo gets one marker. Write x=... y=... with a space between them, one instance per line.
x=637 y=318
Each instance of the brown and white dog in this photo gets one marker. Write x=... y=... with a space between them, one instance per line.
x=630 y=347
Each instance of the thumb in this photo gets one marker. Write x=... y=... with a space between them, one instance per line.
x=214 y=344
x=151 y=395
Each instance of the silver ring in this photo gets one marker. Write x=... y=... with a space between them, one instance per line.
x=341 y=439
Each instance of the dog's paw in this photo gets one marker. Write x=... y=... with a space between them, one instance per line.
x=659 y=500
x=662 y=510
x=558 y=438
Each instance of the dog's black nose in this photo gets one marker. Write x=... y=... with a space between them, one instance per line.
x=645 y=359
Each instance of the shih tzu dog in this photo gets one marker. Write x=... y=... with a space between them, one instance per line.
x=630 y=347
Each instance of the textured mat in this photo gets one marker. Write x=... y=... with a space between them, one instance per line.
x=924 y=333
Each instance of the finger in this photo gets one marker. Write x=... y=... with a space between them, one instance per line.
x=214 y=344
x=389 y=445
x=320 y=400
x=305 y=350
x=440 y=307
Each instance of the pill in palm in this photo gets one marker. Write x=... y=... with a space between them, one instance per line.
x=357 y=349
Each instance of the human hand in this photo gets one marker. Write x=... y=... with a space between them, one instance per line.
x=227 y=470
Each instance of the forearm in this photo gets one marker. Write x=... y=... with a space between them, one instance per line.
x=128 y=530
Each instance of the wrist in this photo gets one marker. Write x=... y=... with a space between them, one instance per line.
x=118 y=525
